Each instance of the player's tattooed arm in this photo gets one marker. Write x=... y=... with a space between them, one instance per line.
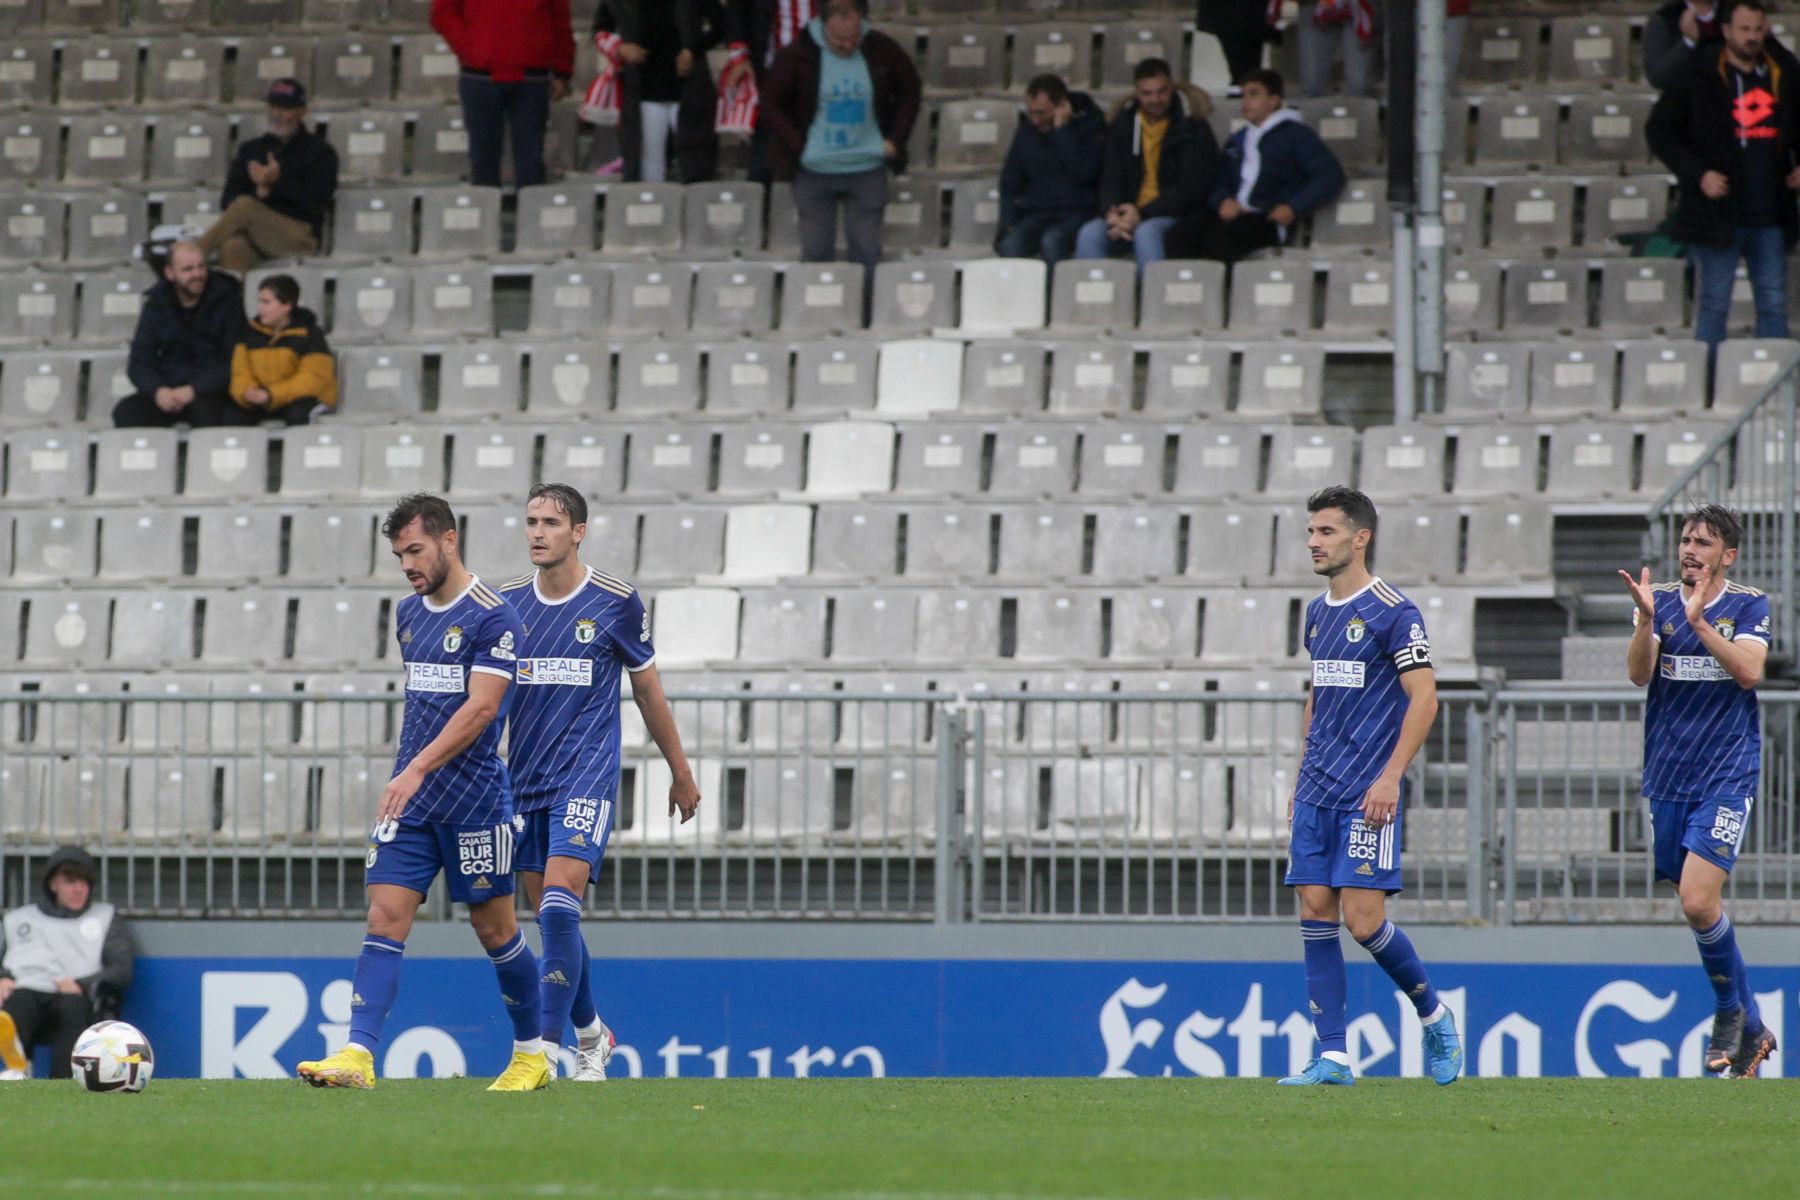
x=1743 y=659
x=486 y=691
x=1382 y=800
x=659 y=721
x=1640 y=656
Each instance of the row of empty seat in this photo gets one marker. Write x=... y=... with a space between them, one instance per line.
x=21 y=16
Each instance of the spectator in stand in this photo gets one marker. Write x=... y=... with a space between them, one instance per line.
x=281 y=368
x=1672 y=35
x=840 y=103
x=180 y=360
x=1242 y=26
x=516 y=57
x=1324 y=26
x=1276 y=171
x=1726 y=129
x=278 y=190
x=1159 y=164
x=1048 y=187
x=666 y=89
x=756 y=31
x=65 y=963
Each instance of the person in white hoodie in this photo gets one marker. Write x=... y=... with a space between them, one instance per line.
x=1275 y=171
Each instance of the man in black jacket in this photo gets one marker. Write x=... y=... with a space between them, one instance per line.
x=65 y=963
x=1159 y=164
x=1672 y=35
x=180 y=360
x=1047 y=187
x=278 y=190
x=1728 y=131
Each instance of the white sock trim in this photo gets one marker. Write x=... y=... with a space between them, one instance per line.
x=1337 y=1056
x=534 y=1046
x=1437 y=1014
x=590 y=1035
x=357 y=1046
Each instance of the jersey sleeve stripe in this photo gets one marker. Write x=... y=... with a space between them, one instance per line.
x=484 y=597
x=617 y=587
x=513 y=585
x=1387 y=595
x=492 y=671
x=643 y=666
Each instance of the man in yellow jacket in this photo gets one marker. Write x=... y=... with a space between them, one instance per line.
x=281 y=368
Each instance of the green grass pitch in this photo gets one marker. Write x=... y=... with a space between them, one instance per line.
x=906 y=1139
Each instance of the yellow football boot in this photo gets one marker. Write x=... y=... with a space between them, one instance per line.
x=12 y=1051
x=525 y=1073
x=348 y=1068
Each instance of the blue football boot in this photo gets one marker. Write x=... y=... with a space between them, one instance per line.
x=1443 y=1051
x=1321 y=1071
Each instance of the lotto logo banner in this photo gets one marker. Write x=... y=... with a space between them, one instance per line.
x=219 y=1017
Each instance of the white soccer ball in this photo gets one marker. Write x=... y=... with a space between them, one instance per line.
x=112 y=1057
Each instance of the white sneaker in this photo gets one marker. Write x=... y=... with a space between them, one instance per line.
x=9 y=1076
x=590 y=1063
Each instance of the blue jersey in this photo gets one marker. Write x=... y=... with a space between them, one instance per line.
x=1702 y=733
x=1360 y=647
x=477 y=632
x=564 y=740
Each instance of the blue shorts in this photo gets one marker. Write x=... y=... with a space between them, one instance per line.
x=573 y=827
x=476 y=859
x=1711 y=829
x=1331 y=847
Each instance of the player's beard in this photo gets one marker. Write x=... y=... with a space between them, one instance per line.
x=434 y=579
x=1329 y=566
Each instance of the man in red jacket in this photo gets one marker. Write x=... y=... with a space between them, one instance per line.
x=516 y=56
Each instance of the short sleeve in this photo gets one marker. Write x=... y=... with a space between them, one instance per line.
x=630 y=633
x=497 y=641
x=1755 y=626
x=1311 y=627
x=1404 y=639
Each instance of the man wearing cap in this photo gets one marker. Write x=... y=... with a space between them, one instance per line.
x=279 y=188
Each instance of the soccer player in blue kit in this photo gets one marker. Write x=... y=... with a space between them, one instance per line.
x=1700 y=645
x=581 y=626
x=448 y=806
x=1373 y=699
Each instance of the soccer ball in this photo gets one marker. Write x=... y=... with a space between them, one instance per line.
x=112 y=1057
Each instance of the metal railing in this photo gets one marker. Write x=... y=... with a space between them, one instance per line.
x=1524 y=806
x=1750 y=466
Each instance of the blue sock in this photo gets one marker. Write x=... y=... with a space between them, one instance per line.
x=582 y=1011
x=1393 y=952
x=1725 y=969
x=372 y=993
x=559 y=918
x=518 y=973
x=1326 y=985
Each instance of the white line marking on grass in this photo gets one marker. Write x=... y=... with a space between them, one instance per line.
x=549 y=1191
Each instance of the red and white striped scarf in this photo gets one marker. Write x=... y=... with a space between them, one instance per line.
x=1360 y=12
x=737 y=107
x=791 y=17
x=601 y=104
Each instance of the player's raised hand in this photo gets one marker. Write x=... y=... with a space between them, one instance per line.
x=684 y=797
x=398 y=794
x=1381 y=802
x=1697 y=598
x=1640 y=593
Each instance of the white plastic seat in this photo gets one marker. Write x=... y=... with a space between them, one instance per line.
x=1182 y=296
x=277 y=54
x=238 y=543
x=337 y=628
x=1407 y=459
x=1472 y=296
x=1359 y=298
x=1303 y=459
x=916 y=378
x=783 y=625
x=1419 y=542
x=328 y=545
x=37 y=308
x=110 y=304
x=1643 y=296
x=184 y=71
x=910 y=220
x=855 y=542
x=1130 y=42
x=913 y=298
x=1509 y=544
x=26 y=66
x=106 y=148
x=973 y=134
x=1517 y=132
x=681 y=544
x=696 y=626
x=428 y=69
x=1356 y=221
x=1743 y=369
x=947 y=542
x=29 y=149
x=1245 y=627
x=108 y=380
x=1616 y=207
x=1154 y=626
x=1040 y=542
x=1607 y=129
x=1054 y=626
x=140 y=544
x=760 y=460
x=1501 y=50
x=152 y=629
x=440 y=146
x=46 y=464
x=966 y=58
x=1546 y=296
x=569 y=300
x=1002 y=295
x=1672 y=447
x=846 y=459
x=744 y=377
x=31 y=228
x=190 y=151
x=1062 y=49
x=1591 y=50
x=974 y=214
x=372 y=223
x=1491 y=379
x=99 y=70
x=957 y=628
x=1533 y=215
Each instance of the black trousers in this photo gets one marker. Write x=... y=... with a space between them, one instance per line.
x=492 y=111
x=1209 y=236
x=50 y=1017
x=140 y=411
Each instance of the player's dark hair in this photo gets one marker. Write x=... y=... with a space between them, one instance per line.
x=1731 y=6
x=1357 y=508
x=1049 y=86
x=433 y=513
x=564 y=497
x=1150 y=68
x=282 y=287
x=1270 y=80
x=1719 y=521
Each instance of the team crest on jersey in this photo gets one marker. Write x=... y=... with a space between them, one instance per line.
x=406 y=636
x=585 y=628
x=1353 y=632
x=1727 y=627
x=453 y=639
x=1315 y=633
x=1668 y=629
x=373 y=851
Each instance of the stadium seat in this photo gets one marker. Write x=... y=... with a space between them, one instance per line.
x=1127 y=43
x=1350 y=126
x=1643 y=296
x=1516 y=132
x=682 y=545
x=1003 y=377
x=1043 y=542
x=1418 y=542
x=372 y=223
x=428 y=70
x=321 y=461
x=105 y=227
x=39 y=389
x=973 y=134
x=135 y=464
x=1591 y=50
x=31 y=228
x=1573 y=379
x=1057 y=626
x=1356 y=222
x=1038 y=460
x=1093 y=295
x=26 y=71
x=1359 y=298
x=642 y=218
x=734 y=298
x=1064 y=49
x=722 y=219
x=1533 y=215
x=834 y=377
x=974 y=214
x=107 y=382
x=1281 y=380
x=1487 y=380
x=1303 y=459
x=1136 y=543
x=910 y=221
x=669 y=462
x=276 y=54
x=651 y=298
x=54 y=546
x=821 y=298
x=373 y=304
x=555 y=219
x=46 y=465
x=1464 y=204
x=958 y=627
x=856 y=542
x=1496 y=459
x=913 y=298
x=238 y=544
x=1187 y=381
x=99 y=71
x=1244 y=628
x=1501 y=50
x=1091 y=377
x=747 y=377
x=847 y=459
x=375 y=381
x=109 y=306
x=1152 y=625
x=1122 y=460
x=939 y=459
x=1220 y=460
x=184 y=71
x=1508 y=544
x=1744 y=368
x=965 y=58
x=1590 y=460
x=784 y=222
x=782 y=626
x=651 y=824
x=259 y=14
x=491 y=461
x=353 y=69
x=870 y=626
x=1471 y=296
x=140 y=544
x=398 y=461
x=1672 y=447
x=658 y=378
x=1620 y=207
x=1230 y=543
x=1662 y=377
x=790 y=800
x=1183 y=297
x=328 y=545
x=916 y=378
x=69 y=629
x=190 y=151
x=152 y=629
x=1271 y=297
x=695 y=626
x=589 y=459
x=570 y=300
x=1606 y=129
x=756 y=461
x=226 y=462
x=371 y=148
x=479 y=379
x=29 y=147
x=459 y=223
x=453 y=300
x=105 y=148
x=948 y=542
x=337 y=628
x=1546 y=297
x=440 y=147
